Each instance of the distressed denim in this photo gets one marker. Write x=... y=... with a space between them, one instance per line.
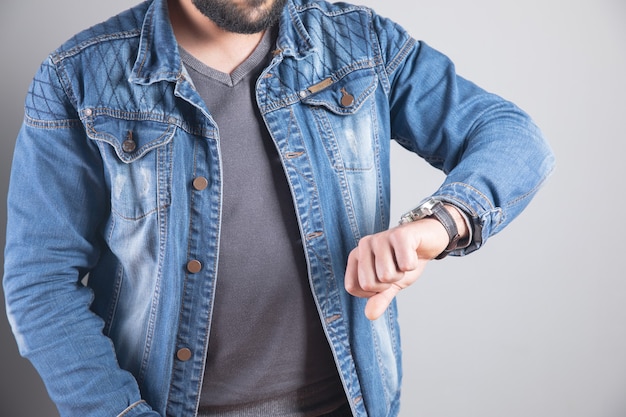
x=115 y=196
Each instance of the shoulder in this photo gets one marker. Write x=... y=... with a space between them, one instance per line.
x=328 y=7
x=118 y=29
x=342 y=17
x=353 y=28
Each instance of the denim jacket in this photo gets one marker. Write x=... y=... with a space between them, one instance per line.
x=115 y=196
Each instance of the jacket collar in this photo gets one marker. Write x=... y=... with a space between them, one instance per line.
x=293 y=38
x=158 y=58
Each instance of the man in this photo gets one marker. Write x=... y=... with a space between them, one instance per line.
x=199 y=206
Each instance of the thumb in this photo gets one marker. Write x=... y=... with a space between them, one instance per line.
x=378 y=303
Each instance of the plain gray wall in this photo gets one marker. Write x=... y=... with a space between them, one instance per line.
x=534 y=324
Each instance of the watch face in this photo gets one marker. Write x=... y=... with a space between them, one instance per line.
x=426 y=209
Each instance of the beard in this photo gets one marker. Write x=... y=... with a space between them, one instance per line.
x=245 y=16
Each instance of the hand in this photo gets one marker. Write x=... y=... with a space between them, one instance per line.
x=385 y=263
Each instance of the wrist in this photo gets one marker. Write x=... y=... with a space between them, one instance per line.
x=463 y=225
x=453 y=219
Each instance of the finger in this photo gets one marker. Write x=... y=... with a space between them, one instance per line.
x=378 y=303
x=385 y=264
x=351 y=279
x=406 y=259
x=404 y=249
x=367 y=275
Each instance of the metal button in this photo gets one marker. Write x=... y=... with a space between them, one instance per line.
x=184 y=354
x=347 y=99
x=129 y=145
x=200 y=183
x=194 y=266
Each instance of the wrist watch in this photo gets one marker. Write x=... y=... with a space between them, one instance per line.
x=435 y=208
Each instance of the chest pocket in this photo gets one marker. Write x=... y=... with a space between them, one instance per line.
x=344 y=111
x=137 y=155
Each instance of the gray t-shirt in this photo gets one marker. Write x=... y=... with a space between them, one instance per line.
x=267 y=348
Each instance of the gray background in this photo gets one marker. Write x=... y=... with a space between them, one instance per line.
x=534 y=323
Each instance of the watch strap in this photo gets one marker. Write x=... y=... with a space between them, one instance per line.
x=445 y=218
x=435 y=208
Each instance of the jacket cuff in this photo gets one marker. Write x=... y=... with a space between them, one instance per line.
x=480 y=214
x=139 y=409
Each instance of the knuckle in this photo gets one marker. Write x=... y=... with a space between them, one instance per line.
x=349 y=285
x=365 y=241
x=406 y=264
x=368 y=287
x=388 y=276
x=397 y=235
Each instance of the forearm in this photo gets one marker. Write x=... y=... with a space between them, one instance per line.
x=494 y=156
x=55 y=204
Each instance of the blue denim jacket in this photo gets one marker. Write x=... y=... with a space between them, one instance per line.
x=115 y=196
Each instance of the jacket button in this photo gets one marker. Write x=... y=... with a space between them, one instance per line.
x=347 y=99
x=183 y=354
x=200 y=183
x=194 y=266
x=129 y=145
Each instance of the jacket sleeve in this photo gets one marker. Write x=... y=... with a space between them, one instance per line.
x=494 y=156
x=57 y=202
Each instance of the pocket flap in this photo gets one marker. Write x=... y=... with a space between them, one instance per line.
x=342 y=95
x=131 y=139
